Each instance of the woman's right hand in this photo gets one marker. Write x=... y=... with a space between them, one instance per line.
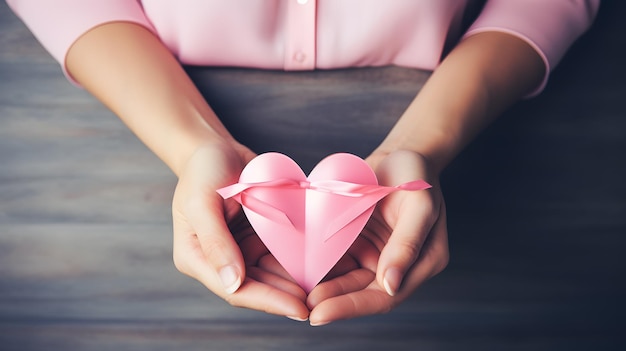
x=215 y=244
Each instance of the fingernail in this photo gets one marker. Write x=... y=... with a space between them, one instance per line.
x=318 y=324
x=230 y=279
x=391 y=281
x=297 y=319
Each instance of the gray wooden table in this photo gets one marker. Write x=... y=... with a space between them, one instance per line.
x=537 y=251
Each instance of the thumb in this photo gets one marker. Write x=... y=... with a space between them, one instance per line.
x=414 y=222
x=218 y=263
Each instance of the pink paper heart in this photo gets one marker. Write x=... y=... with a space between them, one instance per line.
x=308 y=224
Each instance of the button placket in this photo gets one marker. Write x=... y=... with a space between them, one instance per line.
x=300 y=36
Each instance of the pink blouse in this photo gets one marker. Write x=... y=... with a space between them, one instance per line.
x=311 y=34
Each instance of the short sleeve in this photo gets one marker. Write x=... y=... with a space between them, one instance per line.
x=58 y=24
x=549 y=26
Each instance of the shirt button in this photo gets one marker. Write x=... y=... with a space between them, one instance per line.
x=302 y=2
x=299 y=56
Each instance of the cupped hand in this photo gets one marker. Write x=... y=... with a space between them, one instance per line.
x=404 y=244
x=214 y=243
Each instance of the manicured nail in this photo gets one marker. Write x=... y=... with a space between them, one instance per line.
x=297 y=319
x=230 y=279
x=391 y=281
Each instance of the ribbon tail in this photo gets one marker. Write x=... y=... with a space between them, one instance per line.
x=370 y=196
x=266 y=210
x=238 y=188
x=414 y=185
x=353 y=212
x=237 y=192
x=232 y=190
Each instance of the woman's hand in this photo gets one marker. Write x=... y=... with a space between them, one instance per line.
x=404 y=244
x=214 y=243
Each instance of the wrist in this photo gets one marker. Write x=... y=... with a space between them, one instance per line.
x=380 y=160
x=194 y=146
x=437 y=147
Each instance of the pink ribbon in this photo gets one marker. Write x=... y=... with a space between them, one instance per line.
x=369 y=194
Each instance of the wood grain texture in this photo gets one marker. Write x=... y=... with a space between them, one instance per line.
x=536 y=251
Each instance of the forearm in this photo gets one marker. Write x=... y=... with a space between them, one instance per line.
x=480 y=78
x=127 y=68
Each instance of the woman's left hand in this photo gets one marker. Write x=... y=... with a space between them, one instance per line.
x=404 y=243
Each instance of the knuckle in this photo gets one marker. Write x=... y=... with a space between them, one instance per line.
x=214 y=249
x=408 y=250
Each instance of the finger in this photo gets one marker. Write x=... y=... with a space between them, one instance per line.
x=252 y=294
x=361 y=254
x=354 y=271
x=253 y=249
x=343 y=298
x=262 y=297
x=346 y=264
x=350 y=282
x=269 y=263
x=276 y=282
x=415 y=219
x=366 y=248
x=434 y=258
x=372 y=300
x=222 y=255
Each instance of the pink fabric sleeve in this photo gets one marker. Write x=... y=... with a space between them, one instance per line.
x=58 y=24
x=549 y=26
